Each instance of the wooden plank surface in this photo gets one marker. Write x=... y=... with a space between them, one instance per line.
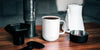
x=62 y=43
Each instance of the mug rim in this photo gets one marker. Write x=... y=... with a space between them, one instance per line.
x=51 y=16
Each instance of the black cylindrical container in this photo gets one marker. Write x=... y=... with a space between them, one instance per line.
x=78 y=36
x=18 y=37
x=29 y=16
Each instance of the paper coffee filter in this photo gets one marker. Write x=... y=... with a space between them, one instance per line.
x=74 y=20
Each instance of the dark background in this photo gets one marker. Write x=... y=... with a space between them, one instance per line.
x=11 y=11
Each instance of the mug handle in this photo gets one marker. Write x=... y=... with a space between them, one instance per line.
x=63 y=30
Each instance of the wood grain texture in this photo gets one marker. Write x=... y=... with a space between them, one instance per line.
x=62 y=43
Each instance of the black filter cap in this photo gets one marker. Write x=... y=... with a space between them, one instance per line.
x=18 y=31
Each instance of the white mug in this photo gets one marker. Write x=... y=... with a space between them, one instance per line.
x=51 y=27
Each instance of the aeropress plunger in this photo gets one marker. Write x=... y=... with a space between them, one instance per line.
x=29 y=7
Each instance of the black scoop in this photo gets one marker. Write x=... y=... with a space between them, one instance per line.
x=32 y=45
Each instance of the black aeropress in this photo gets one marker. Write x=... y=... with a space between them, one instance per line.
x=29 y=7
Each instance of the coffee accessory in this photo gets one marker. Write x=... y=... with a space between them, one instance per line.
x=78 y=36
x=32 y=45
x=73 y=19
x=30 y=7
x=51 y=27
x=18 y=32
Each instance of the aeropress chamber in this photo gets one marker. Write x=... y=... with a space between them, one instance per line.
x=29 y=7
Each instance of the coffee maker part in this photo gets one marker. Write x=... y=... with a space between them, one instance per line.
x=29 y=7
x=78 y=36
x=18 y=32
x=73 y=19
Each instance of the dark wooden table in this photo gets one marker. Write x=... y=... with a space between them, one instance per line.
x=62 y=43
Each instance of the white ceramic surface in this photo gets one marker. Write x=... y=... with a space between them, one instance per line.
x=51 y=28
